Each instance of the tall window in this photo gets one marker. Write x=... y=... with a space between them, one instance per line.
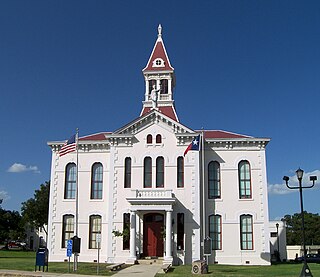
x=96 y=181
x=244 y=180
x=70 y=181
x=214 y=180
x=158 y=138
x=151 y=84
x=180 y=172
x=147 y=175
x=149 y=139
x=94 y=230
x=160 y=172
x=215 y=231
x=126 y=231
x=164 y=86
x=246 y=232
x=180 y=231
x=127 y=172
x=67 y=229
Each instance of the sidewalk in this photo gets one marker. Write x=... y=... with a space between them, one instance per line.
x=140 y=270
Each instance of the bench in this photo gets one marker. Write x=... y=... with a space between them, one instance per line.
x=114 y=267
x=166 y=267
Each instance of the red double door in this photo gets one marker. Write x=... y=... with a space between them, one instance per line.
x=153 y=234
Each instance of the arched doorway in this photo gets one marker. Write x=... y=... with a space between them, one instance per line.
x=153 y=228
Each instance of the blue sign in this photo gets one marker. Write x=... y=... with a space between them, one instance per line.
x=69 y=248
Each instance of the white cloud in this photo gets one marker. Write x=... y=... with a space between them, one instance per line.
x=18 y=168
x=4 y=195
x=293 y=182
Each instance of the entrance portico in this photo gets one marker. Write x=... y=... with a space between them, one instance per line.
x=153 y=204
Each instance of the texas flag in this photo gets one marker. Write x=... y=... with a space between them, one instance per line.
x=194 y=145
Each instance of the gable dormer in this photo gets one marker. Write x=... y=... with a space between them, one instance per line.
x=159 y=79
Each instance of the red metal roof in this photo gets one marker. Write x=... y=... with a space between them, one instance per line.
x=158 y=52
x=168 y=111
x=218 y=134
x=99 y=136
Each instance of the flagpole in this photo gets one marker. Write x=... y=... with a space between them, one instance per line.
x=203 y=190
x=77 y=198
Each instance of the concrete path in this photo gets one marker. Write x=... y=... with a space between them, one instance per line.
x=139 y=270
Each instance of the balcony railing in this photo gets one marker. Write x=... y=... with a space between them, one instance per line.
x=154 y=193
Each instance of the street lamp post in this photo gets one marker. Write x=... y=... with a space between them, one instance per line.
x=305 y=272
x=278 y=240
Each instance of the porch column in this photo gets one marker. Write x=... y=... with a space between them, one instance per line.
x=133 y=256
x=168 y=258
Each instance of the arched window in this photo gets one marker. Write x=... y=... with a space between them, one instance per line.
x=215 y=232
x=158 y=138
x=149 y=139
x=96 y=181
x=164 y=86
x=160 y=172
x=70 y=181
x=244 y=180
x=67 y=229
x=214 y=180
x=151 y=84
x=246 y=232
x=94 y=230
x=127 y=172
x=180 y=172
x=147 y=175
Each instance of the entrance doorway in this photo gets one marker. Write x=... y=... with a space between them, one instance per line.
x=153 y=228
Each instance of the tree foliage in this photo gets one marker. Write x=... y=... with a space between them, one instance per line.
x=294 y=228
x=11 y=227
x=35 y=210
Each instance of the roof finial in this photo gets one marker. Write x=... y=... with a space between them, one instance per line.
x=159 y=31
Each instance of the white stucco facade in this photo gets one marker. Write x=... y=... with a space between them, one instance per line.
x=178 y=206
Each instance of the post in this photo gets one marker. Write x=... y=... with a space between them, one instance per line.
x=75 y=265
x=98 y=244
x=278 y=241
x=305 y=272
x=133 y=256
x=302 y=223
x=203 y=191
x=168 y=257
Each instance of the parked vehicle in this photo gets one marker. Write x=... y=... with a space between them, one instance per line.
x=311 y=258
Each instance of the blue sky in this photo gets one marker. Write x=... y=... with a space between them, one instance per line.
x=250 y=67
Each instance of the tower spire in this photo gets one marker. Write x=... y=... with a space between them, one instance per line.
x=159 y=80
x=159 y=31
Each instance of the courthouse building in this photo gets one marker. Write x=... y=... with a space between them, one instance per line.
x=139 y=194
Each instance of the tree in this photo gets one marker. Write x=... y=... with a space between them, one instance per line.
x=35 y=210
x=11 y=227
x=294 y=230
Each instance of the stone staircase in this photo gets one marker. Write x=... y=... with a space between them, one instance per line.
x=151 y=260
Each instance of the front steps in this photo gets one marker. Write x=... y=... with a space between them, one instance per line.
x=151 y=260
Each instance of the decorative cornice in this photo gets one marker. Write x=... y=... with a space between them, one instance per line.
x=259 y=143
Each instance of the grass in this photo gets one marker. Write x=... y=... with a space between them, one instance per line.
x=21 y=260
x=279 y=270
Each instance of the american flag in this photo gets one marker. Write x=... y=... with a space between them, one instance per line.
x=68 y=146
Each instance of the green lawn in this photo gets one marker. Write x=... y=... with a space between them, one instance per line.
x=20 y=260
x=279 y=270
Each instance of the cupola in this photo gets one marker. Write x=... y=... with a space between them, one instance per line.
x=159 y=79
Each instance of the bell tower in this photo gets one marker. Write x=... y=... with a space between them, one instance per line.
x=159 y=79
